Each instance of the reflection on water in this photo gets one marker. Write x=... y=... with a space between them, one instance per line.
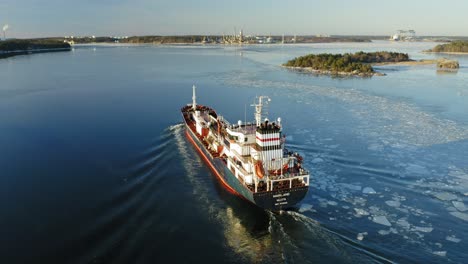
x=255 y=247
x=447 y=71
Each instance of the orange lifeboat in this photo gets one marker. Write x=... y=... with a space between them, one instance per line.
x=259 y=169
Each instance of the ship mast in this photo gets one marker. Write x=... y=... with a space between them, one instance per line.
x=259 y=107
x=194 y=99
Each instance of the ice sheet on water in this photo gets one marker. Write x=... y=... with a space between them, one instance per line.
x=384 y=232
x=403 y=223
x=393 y=203
x=445 y=196
x=382 y=220
x=422 y=229
x=360 y=236
x=359 y=201
x=453 y=239
x=460 y=206
x=408 y=124
x=462 y=216
x=368 y=190
x=305 y=207
x=360 y=212
x=440 y=253
x=387 y=232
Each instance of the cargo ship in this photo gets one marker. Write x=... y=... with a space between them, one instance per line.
x=248 y=158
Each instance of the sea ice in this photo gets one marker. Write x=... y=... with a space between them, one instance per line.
x=305 y=207
x=382 y=220
x=460 y=206
x=384 y=232
x=445 y=196
x=360 y=212
x=403 y=223
x=440 y=253
x=462 y=216
x=393 y=203
x=453 y=239
x=360 y=236
x=368 y=190
x=422 y=229
x=332 y=203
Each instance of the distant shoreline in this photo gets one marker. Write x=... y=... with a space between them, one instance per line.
x=14 y=47
x=8 y=54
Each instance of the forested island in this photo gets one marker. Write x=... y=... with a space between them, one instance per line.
x=357 y=64
x=452 y=47
x=14 y=47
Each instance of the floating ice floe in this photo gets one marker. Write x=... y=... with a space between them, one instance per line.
x=393 y=203
x=332 y=203
x=460 y=206
x=360 y=211
x=445 y=196
x=403 y=223
x=368 y=190
x=453 y=239
x=440 y=253
x=305 y=207
x=382 y=220
x=462 y=216
x=386 y=232
x=360 y=236
x=422 y=229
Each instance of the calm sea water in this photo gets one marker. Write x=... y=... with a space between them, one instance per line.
x=96 y=168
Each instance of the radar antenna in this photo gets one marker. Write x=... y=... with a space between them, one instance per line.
x=261 y=109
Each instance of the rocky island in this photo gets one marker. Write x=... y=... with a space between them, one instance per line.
x=13 y=47
x=452 y=47
x=357 y=64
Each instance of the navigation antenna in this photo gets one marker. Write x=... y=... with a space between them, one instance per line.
x=194 y=99
x=261 y=109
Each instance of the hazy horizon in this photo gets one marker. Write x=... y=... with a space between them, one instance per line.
x=35 y=18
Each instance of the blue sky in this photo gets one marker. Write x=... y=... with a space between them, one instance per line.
x=36 y=18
